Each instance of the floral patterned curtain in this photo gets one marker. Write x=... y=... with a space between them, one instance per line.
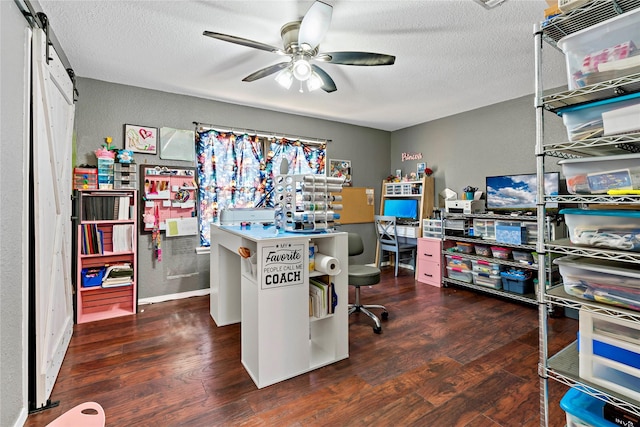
x=234 y=172
x=301 y=158
x=231 y=173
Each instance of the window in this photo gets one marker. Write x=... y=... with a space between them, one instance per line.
x=234 y=172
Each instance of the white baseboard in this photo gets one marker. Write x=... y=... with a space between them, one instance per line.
x=169 y=297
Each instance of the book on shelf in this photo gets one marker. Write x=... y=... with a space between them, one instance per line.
x=118 y=275
x=122 y=237
x=323 y=298
x=92 y=239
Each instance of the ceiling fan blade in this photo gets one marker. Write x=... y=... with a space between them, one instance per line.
x=266 y=71
x=314 y=25
x=356 y=58
x=328 y=85
x=244 y=42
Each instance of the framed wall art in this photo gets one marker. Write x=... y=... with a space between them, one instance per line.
x=341 y=168
x=141 y=139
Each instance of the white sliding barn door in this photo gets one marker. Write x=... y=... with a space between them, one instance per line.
x=53 y=113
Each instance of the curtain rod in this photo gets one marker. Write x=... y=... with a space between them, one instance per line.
x=263 y=134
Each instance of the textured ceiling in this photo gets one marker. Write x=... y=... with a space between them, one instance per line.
x=451 y=56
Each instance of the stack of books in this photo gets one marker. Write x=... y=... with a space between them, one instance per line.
x=118 y=275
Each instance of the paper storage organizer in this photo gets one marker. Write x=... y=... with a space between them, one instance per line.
x=432 y=228
x=85 y=179
x=583 y=409
x=585 y=121
x=613 y=368
x=493 y=281
x=459 y=274
x=484 y=228
x=605 y=281
x=615 y=229
x=597 y=175
x=598 y=53
x=456 y=261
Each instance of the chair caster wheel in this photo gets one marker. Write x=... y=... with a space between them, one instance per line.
x=377 y=329
x=385 y=315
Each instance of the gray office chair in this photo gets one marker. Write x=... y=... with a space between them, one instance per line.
x=363 y=275
x=388 y=240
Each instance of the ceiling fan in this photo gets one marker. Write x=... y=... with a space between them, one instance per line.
x=301 y=41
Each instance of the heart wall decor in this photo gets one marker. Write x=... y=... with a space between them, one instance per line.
x=140 y=139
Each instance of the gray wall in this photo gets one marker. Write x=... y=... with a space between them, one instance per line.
x=103 y=108
x=462 y=149
x=13 y=212
x=465 y=148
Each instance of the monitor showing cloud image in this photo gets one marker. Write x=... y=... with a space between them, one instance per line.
x=518 y=192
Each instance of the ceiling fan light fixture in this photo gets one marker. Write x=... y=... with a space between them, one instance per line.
x=489 y=4
x=314 y=82
x=285 y=78
x=314 y=25
x=302 y=69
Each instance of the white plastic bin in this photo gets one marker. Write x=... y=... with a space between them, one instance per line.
x=597 y=175
x=587 y=51
x=615 y=229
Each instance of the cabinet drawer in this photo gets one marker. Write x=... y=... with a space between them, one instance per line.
x=429 y=249
x=429 y=272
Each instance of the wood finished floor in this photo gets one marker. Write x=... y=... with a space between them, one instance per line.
x=446 y=357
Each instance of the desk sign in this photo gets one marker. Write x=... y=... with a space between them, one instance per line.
x=282 y=265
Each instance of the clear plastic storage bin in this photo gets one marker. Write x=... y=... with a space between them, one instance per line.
x=605 y=281
x=500 y=252
x=456 y=261
x=615 y=229
x=482 y=250
x=585 y=121
x=459 y=274
x=483 y=266
x=597 y=175
x=464 y=247
x=600 y=52
x=493 y=281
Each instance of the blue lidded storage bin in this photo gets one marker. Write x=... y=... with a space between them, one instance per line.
x=607 y=228
x=517 y=282
x=583 y=409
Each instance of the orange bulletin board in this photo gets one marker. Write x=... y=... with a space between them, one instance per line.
x=357 y=205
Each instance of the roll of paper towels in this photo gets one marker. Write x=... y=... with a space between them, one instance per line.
x=327 y=264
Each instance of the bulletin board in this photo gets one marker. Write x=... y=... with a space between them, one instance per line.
x=357 y=205
x=168 y=199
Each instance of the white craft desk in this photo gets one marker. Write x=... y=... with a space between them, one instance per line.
x=278 y=338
